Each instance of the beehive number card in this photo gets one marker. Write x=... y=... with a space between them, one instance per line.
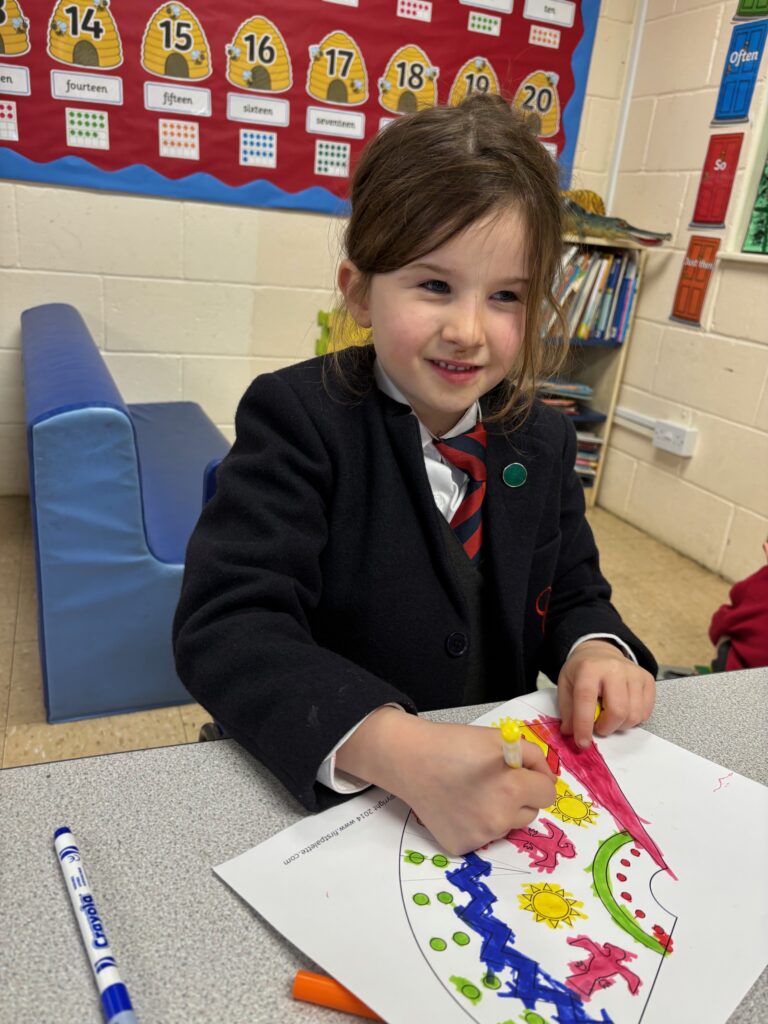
x=639 y=897
x=266 y=103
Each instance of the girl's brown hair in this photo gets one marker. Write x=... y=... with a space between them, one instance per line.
x=427 y=176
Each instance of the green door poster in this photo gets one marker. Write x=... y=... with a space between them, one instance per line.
x=757 y=232
x=752 y=8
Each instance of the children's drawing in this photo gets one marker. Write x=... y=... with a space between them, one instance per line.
x=585 y=943
x=610 y=907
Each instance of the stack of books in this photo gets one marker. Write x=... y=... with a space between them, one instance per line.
x=588 y=454
x=596 y=289
x=572 y=398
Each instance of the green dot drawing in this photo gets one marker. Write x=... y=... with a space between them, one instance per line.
x=438 y=945
x=440 y=860
x=414 y=857
x=445 y=897
x=467 y=988
x=460 y=938
x=421 y=899
x=491 y=981
x=533 y=1018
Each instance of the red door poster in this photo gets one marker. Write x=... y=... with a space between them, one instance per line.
x=717 y=179
x=698 y=264
x=268 y=103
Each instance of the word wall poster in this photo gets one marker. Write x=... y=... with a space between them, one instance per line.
x=263 y=103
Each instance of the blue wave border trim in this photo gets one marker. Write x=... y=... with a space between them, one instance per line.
x=138 y=179
x=580 y=61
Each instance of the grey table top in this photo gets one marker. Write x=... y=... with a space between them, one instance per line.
x=152 y=823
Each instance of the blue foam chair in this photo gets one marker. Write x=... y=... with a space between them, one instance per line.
x=115 y=491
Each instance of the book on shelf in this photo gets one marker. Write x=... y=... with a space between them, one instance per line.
x=627 y=312
x=607 y=303
x=584 y=437
x=568 y=396
x=583 y=294
x=589 y=451
x=626 y=295
x=558 y=386
x=611 y=299
x=584 y=330
x=596 y=290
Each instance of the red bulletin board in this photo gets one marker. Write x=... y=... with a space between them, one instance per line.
x=265 y=102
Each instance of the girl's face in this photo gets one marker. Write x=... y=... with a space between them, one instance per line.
x=448 y=327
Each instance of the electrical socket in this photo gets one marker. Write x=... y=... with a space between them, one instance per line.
x=671 y=437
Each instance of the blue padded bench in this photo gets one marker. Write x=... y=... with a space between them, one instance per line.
x=115 y=491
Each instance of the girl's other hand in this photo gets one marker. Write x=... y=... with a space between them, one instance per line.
x=597 y=670
x=453 y=777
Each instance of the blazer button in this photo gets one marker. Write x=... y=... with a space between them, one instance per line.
x=456 y=644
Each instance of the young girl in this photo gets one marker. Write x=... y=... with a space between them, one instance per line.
x=326 y=598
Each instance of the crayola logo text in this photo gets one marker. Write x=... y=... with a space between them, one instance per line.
x=88 y=907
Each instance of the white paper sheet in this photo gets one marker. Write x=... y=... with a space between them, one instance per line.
x=570 y=923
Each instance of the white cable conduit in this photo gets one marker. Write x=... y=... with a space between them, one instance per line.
x=635 y=420
x=626 y=98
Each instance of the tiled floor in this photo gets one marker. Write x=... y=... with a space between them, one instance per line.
x=667 y=599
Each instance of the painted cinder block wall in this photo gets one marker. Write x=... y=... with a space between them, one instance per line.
x=190 y=300
x=712 y=507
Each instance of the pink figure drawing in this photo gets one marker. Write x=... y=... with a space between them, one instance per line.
x=599 y=968
x=544 y=850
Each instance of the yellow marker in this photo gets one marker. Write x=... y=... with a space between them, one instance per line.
x=598 y=709
x=511 y=735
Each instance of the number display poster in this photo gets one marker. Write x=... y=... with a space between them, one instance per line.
x=641 y=894
x=266 y=103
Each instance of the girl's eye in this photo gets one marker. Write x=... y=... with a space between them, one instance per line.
x=438 y=287
x=504 y=296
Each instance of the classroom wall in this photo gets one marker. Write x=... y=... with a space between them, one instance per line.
x=187 y=300
x=712 y=507
x=190 y=300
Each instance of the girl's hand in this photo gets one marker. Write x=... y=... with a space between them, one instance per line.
x=452 y=776
x=598 y=670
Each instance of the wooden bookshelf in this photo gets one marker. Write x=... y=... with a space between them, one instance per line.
x=601 y=365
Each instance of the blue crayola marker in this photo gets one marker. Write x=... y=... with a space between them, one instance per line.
x=115 y=1001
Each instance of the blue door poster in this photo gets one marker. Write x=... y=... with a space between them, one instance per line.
x=740 y=73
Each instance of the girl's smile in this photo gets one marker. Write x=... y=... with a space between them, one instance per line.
x=448 y=327
x=457 y=373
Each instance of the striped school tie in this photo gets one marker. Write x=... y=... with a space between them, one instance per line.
x=467 y=452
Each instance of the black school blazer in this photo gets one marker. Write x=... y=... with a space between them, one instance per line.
x=317 y=583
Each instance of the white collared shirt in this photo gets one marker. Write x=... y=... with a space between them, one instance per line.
x=449 y=485
x=448 y=482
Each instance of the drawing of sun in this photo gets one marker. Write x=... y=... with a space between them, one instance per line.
x=571 y=807
x=549 y=904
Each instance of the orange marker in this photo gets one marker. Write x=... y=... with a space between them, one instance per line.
x=324 y=991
